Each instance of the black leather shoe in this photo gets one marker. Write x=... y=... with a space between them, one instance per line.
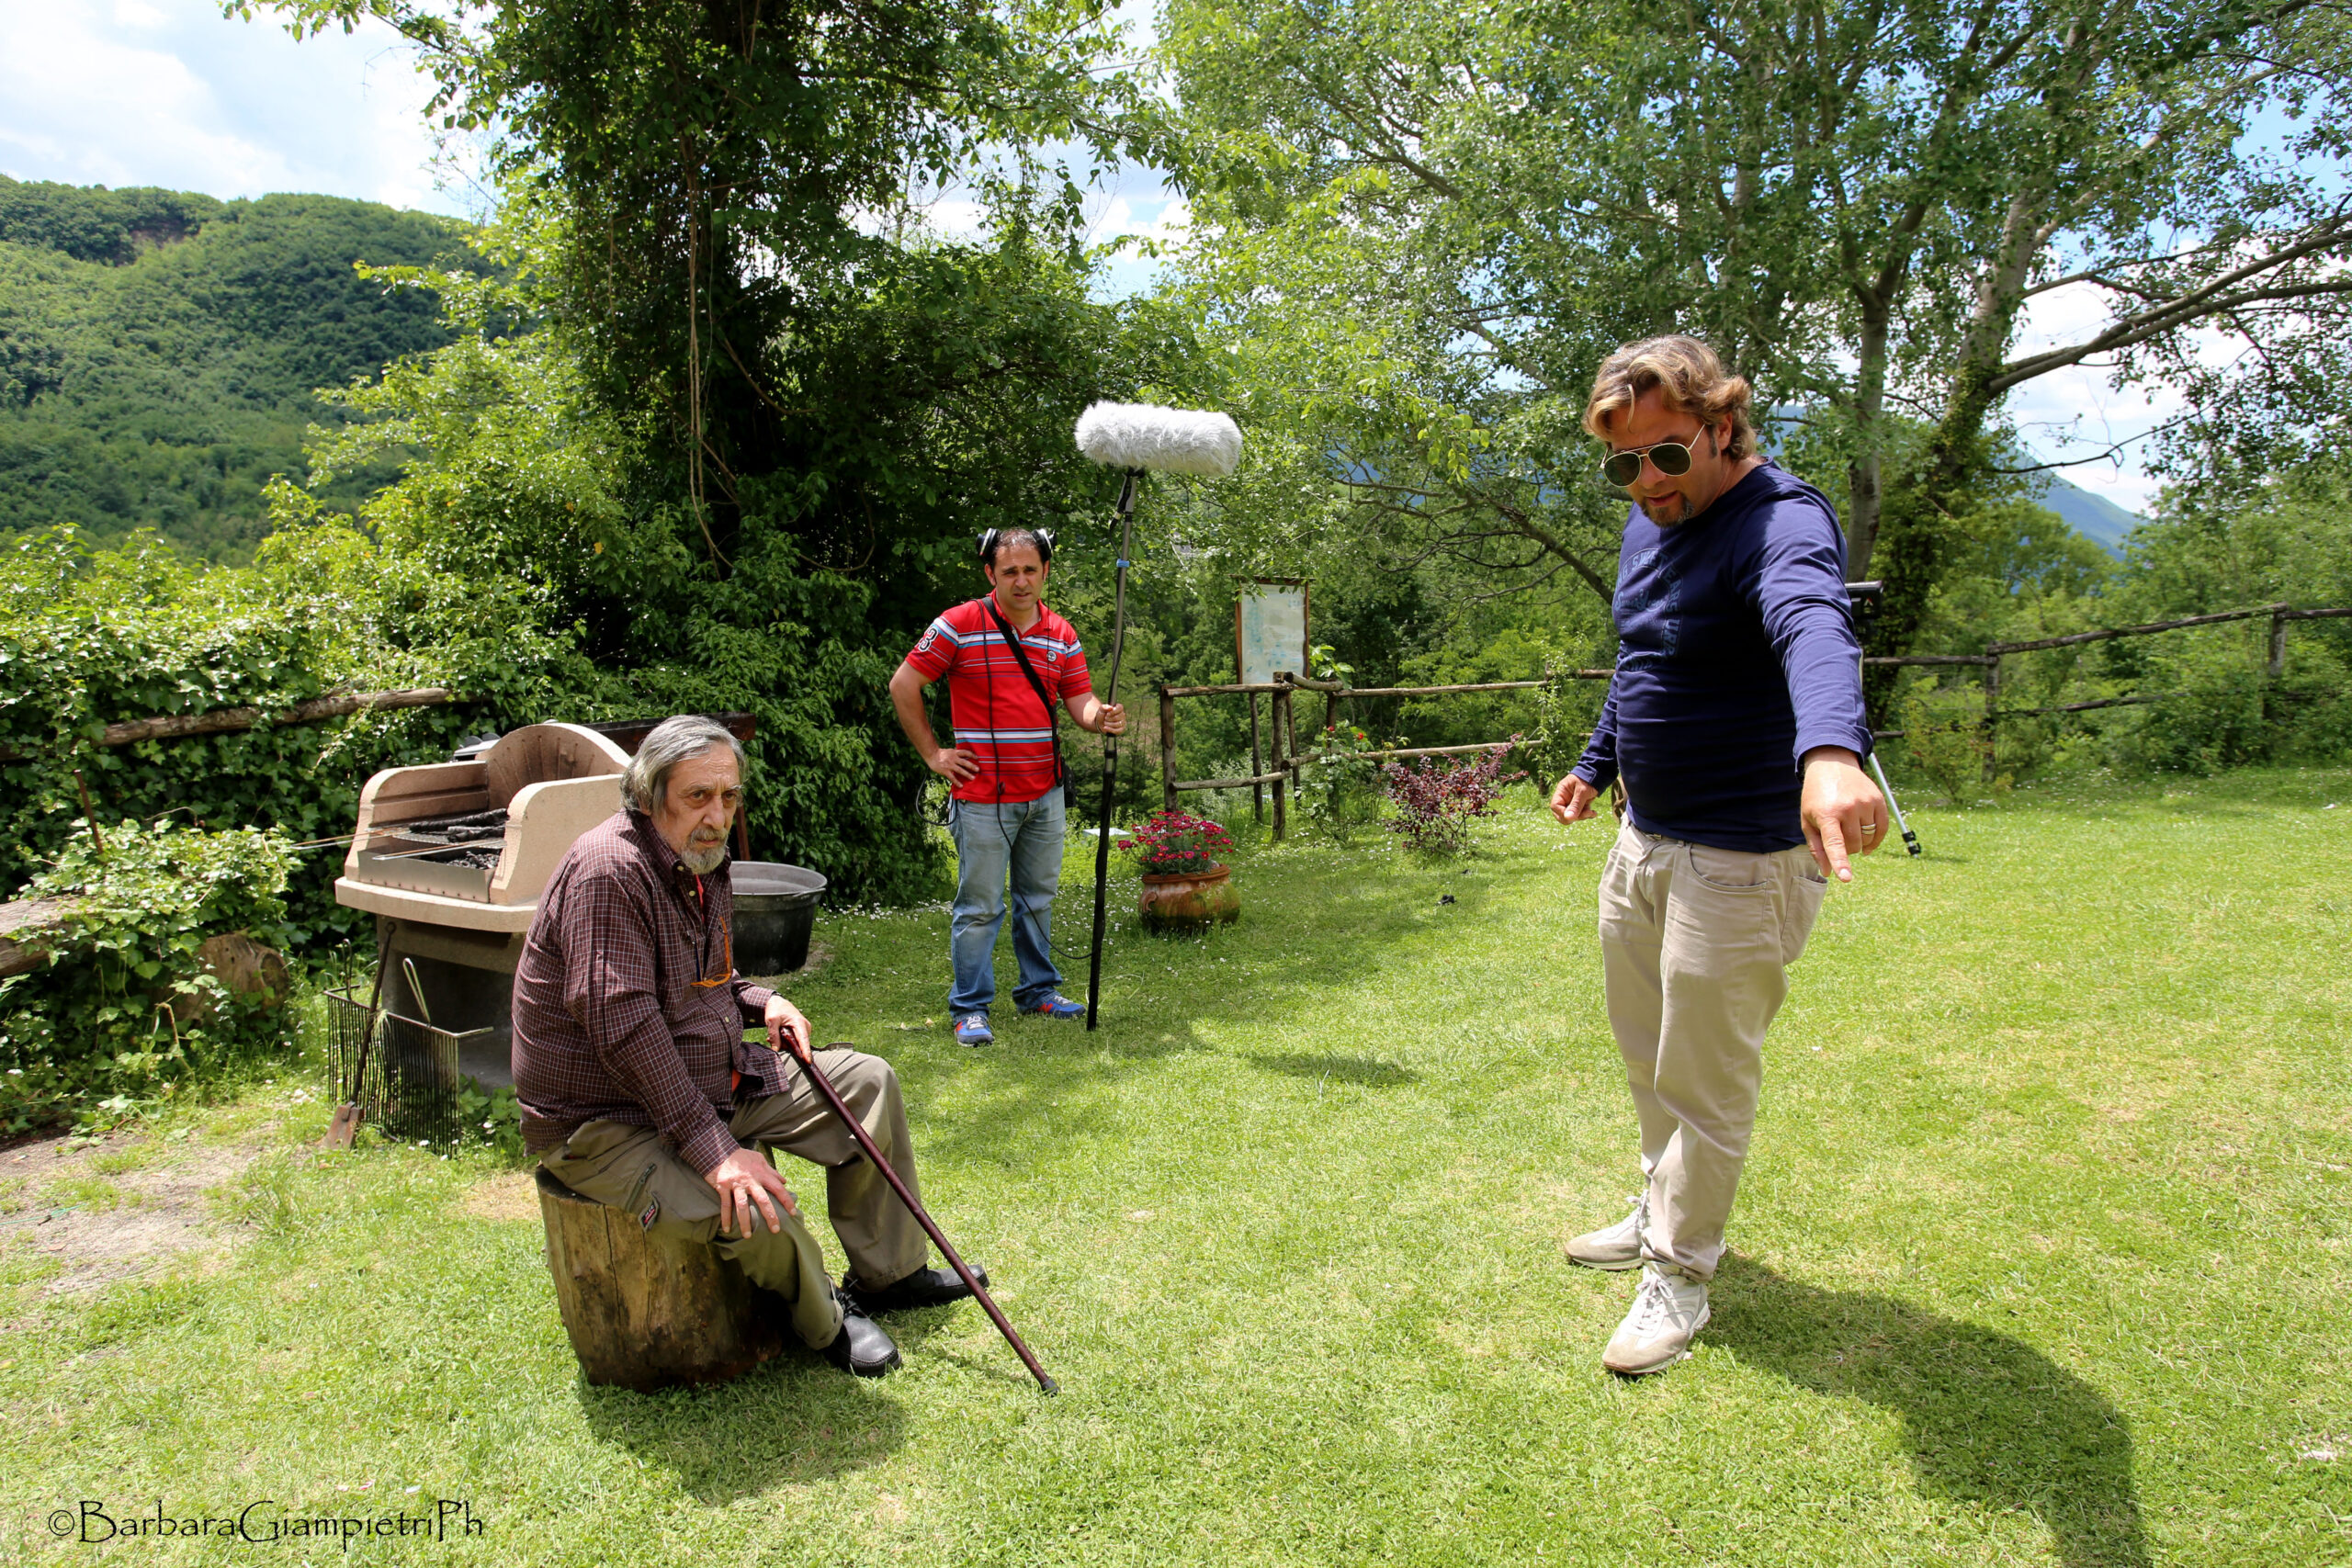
x=923 y=1288
x=861 y=1349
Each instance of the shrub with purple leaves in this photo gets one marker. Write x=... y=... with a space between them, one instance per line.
x=1437 y=801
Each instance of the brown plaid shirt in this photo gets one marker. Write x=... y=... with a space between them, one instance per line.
x=608 y=1022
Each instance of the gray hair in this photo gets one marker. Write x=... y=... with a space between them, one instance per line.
x=674 y=740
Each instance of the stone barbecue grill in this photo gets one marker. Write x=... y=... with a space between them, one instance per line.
x=451 y=859
x=469 y=845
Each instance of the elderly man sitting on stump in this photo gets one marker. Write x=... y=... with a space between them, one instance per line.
x=639 y=1092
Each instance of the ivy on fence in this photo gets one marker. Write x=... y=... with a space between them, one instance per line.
x=125 y=1011
x=91 y=638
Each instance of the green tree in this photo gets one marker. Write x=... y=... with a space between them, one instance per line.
x=1423 y=224
x=804 y=402
x=941 y=400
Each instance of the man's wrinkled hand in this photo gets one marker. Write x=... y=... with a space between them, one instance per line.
x=787 y=1029
x=744 y=1181
x=1844 y=814
x=1572 y=799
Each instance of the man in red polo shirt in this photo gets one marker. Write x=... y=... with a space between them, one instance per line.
x=1008 y=660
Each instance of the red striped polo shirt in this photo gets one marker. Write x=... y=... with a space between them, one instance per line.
x=995 y=712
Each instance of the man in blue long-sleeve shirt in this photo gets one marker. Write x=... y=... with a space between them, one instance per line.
x=1734 y=721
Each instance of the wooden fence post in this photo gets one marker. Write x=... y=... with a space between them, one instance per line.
x=1257 y=766
x=1274 y=759
x=2278 y=644
x=1167 y=750
x=1992 y=715
x=1290 y=744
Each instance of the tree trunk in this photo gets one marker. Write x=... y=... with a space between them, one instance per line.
x=647 y=1312
x=1865 y=493
x=1913 y=535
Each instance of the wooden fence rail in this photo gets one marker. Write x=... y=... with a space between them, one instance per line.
x=2281 y=615
x=1286 y=760
x=225 y=721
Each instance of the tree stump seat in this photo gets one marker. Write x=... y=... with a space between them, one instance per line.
x=644 y=1312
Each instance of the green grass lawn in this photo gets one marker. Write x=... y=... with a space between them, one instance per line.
x=2040 y=1256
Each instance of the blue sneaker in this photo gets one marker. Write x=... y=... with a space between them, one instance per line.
x=972 y=1028
x=1058 y=1005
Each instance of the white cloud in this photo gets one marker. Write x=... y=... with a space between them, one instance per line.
x=2079 y=413
x=170 y=92
x=1137 y=203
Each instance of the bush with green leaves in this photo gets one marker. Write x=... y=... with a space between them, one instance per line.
x=1340 y=793
x=125 y=1013
x=2211 y=693
x=1943 y=728
x=1565 y=710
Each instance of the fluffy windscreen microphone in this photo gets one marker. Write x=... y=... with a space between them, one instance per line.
x=1136 y=437
x=1170 y=440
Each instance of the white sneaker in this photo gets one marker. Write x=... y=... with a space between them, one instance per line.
x=1667 y=1311
x=1613 y=1246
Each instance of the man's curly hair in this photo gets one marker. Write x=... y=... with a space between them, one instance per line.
x=1690 y=378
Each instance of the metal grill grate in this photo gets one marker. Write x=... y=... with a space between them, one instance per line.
x=412 y=1081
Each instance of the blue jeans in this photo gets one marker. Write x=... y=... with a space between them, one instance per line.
x=1024 y=839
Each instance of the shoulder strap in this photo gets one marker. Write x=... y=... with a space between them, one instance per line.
x=1012 y=639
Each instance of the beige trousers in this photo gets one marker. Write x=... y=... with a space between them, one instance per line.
x=634 y=1169
x=1695 y=943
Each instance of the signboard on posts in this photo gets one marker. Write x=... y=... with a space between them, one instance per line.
x=1269 y=628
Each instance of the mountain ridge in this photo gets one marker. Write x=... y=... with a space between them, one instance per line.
x=2093 y=517
x=159 y=351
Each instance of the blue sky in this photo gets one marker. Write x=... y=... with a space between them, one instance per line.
x=170 y=92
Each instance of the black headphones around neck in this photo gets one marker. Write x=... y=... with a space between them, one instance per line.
x=1044 y=544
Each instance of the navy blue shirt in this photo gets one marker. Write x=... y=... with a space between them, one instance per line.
x=1735 y=657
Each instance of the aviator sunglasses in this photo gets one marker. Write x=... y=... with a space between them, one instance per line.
x=1671 y=458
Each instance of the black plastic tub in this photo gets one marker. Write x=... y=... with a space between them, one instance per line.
x=776 y=909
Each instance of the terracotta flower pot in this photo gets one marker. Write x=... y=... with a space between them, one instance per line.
x=1189 y=900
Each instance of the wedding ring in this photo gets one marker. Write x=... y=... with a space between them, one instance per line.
x=1870 y=826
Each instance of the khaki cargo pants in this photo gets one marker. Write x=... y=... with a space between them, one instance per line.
x=634 y=1169
x=1695 y=943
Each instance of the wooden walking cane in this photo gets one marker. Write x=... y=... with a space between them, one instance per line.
x=1110 y=745
x=954 y=1259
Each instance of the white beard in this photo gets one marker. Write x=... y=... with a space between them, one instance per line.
x=703 y=863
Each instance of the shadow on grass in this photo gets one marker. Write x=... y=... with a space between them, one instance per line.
x=1368 y=1071
x=1042 y=1084
x=1990 y=1420
x=794 y=1420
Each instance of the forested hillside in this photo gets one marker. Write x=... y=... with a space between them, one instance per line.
x=158 y=350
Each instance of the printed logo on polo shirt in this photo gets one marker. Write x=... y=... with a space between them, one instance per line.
x=1648 y=606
